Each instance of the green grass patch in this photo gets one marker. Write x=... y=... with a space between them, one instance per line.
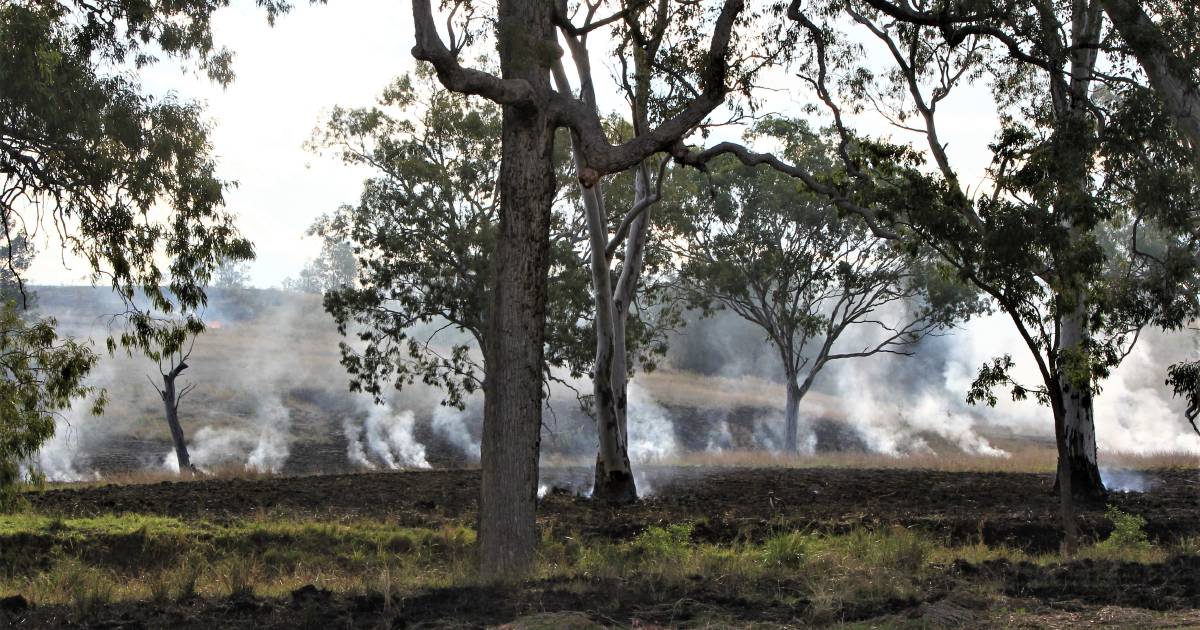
x=82 y=563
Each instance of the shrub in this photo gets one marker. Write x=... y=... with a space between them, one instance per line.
x=1127 y=534
x=660 y=543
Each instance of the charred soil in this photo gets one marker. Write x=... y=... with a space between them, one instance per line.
x=1014 y=509
x=723 y=506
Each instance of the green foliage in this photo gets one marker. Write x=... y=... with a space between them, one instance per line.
x=127 y=181
x=92 y=148
x=1091 y=200
x=1128 y=534
x=1184 y=379
x=759 y=243
x=422 y=236
x=786 y=551
x=664 y=543
x=42 y=375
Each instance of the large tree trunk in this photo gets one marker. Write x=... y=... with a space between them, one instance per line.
x=795 y=393
x=512 y=416
x=1078 y=426
x=1079 y=474
x=1066 y=499
x=171 y=406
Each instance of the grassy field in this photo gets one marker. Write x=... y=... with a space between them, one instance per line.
x=81 y=565
x=397 y=550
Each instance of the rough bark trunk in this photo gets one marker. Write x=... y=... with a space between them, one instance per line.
x=516 y=320
x=1079 y=474
x=1066 y=499
x=171 y=406
x=1078 y=426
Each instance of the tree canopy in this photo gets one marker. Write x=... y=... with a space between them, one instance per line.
x=423 y=234
x=124 y=180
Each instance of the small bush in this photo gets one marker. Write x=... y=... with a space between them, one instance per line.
x=1188 y=546
x=84 y=589
x=1127 y=534
x=660 y=543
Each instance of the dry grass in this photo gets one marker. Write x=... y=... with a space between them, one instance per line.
x=1034 y=459
x=1147 y=461
x=89 y=563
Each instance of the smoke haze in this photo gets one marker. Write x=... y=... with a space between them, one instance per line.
x=272 y=396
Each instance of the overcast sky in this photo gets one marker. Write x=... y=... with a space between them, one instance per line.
x=288 y=76
x=344 y=53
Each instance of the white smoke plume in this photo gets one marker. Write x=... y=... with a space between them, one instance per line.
x=651 y=431
x=274 y=424
x=651 y=435
x=387 y=436
x=59 y=457
x=720 y=439
x=1126 y=480
x=1135 y=412
x=451 y=424
x=768 y=435
x=262 y=445
x=354 y=446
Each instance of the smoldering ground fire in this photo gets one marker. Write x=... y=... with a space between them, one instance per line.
x=257 y=407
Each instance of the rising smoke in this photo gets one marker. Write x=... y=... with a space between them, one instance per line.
x=384 y=436
x=272 y=396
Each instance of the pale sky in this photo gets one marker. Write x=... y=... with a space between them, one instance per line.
x=345 y=53
x=288 y=77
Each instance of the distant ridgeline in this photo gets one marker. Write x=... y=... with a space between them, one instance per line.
x=81 y=303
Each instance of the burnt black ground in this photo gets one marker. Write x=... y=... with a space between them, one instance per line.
x=724 y=504
x=1015 y=509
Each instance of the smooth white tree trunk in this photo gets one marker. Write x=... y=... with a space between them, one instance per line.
x=1078 y=412
x=626 y=292
x=614 y=480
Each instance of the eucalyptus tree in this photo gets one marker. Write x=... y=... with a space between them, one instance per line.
x=126 y=181
x=231 y=275
x=171 y=365
x=525 y=37
x=1084 y=234
x=1164 y=37
x=41 y=373
x=422 y=236
x=820 y=286
x=1087 y=150
x=334 y=267
x=644 y=48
